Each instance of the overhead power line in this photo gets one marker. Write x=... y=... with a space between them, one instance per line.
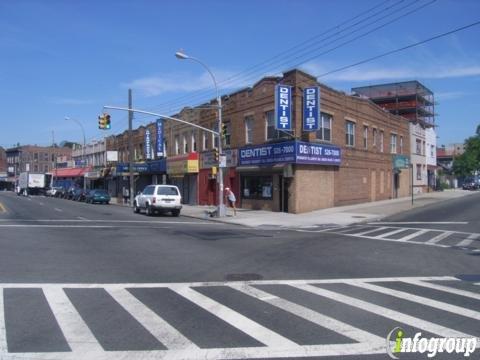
x=282 y=60
x=400 y=49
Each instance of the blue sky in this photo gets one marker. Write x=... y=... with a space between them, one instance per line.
x=69 y=58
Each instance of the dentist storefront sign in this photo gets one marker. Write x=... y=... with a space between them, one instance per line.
x=283 y=107
x=311 y=108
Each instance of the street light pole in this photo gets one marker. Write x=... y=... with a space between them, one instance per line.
x=83 y=150
x=221 y=208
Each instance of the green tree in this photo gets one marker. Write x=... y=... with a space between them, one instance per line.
x=469 y=162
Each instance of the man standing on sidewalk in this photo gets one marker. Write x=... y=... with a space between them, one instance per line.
x=231 y=199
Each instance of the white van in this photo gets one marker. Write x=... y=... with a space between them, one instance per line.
x=158 y=198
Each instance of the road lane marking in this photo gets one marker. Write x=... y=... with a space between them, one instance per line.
x=389 y=233
x=440 y=237
x=3 y=334
x=57 y=209
x=419 y=222
x=468 y=240
x=159 y=328
x=310 y=315
x=237 y=320
x=76 y=332
x=417 y=299
x=220 y=283
x=2 y=208
x=414 y=235
x=443 y=288
x=370 y=231
x=383 y=311
x=81 y=218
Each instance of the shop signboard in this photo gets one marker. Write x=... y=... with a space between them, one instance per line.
x=283 y=107
x=159 y=143
x=401 y=162
x=157 y=166
x=311 y=108
x=267 y=154
x=148 y=145
x=297 y=152
x=183 y=164
x=320 y=154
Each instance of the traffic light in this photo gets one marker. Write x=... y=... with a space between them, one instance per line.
x=224 y=130
x=215 y=155
x=107 y=121
x=101 y=122
x=104 y=122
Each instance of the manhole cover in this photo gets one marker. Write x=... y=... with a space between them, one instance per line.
x=243 y=277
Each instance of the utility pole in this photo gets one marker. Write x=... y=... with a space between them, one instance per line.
x=130 y=147
x=54 y=159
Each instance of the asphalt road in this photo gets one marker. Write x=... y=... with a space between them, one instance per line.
x=87 y=281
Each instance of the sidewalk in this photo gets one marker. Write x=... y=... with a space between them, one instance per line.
x=337 y=216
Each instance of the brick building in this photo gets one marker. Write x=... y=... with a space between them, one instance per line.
x=415 y=102
x=366 y=136
x=34 y=158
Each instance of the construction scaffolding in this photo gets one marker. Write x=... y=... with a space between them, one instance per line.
x=409 y=99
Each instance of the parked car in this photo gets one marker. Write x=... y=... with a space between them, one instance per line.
x=69 y=194
x=79 y=195
x=97 y=196
x=158 y=198
x=54 y=191
x=470 y=185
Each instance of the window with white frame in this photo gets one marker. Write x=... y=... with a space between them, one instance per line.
x=393 y=143
x=228 y=135
x=350 y=133
x=248 y=129
x=418 y=144
x=432 y=150
x=194 y=141
x=382 y=141
x=271 y=133
x=325 y=127
x=205 y=140
x=374 y=137
x=185 y=144
x=177 y=145
x=365 y=137
x=401 y=144
x=419 y=172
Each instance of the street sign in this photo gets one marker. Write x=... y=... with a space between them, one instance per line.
x=222 y=161
x=401 y=162
x=283 y=107
x=311 y=108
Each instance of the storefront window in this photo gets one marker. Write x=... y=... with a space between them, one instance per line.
x=257 y=187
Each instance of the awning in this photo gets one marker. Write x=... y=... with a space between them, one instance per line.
x=71 y=172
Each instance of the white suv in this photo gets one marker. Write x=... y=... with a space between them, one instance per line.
x=158 y=198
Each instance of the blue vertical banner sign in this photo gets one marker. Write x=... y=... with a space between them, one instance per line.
x=148 y=145
x=159 y=145
x=311 y=109
x=283 y=107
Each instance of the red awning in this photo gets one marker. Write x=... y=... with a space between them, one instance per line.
x=70 y=172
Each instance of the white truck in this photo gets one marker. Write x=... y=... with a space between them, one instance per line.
x=31 y=183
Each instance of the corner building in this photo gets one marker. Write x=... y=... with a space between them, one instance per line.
x=349 y=160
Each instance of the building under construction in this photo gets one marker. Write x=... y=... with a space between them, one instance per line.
x=409 y=99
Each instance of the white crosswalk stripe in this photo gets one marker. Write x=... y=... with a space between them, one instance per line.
x=436 y=238
x=81 y=338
